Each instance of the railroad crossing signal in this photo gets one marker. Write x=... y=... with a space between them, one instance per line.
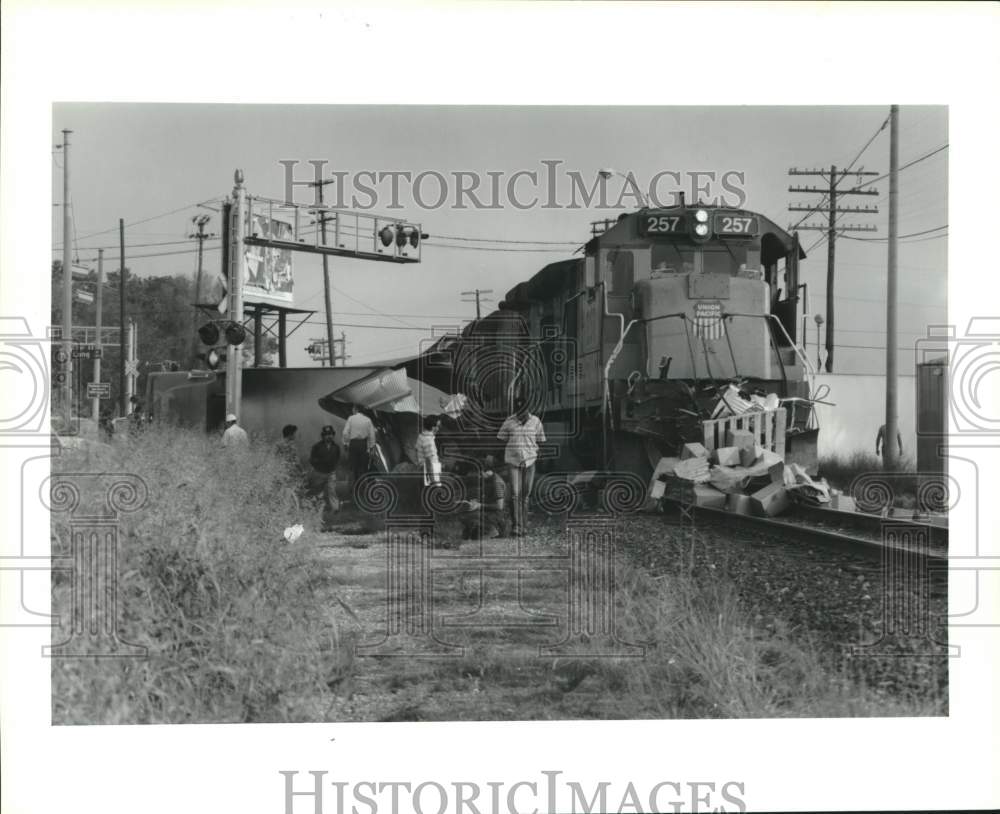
x=98 y=390
x=131 y=367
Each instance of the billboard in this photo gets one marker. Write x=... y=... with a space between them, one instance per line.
x=269 y=270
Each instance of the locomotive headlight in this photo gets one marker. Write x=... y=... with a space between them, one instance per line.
x=702 y=217
x=701 y=229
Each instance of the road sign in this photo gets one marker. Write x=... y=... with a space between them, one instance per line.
x=131 y=368
x=98 y=390
x=86 y=352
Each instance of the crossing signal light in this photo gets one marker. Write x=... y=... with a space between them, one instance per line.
x=209 y=333
x=235 y=334
x=212 y=358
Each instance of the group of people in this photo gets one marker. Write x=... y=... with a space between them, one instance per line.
x=522 y=433
x=489 y=484
x=358 y=441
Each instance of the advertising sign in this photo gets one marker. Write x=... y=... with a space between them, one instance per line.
x=269 y=270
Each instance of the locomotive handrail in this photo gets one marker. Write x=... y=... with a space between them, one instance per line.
x=798 y=351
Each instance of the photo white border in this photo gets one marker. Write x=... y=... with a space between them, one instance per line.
x=520 y=53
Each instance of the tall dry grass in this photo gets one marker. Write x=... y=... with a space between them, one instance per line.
x=704 y=658
x=841 y=470
x=237 y=622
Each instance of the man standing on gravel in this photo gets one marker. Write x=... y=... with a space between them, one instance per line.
x=523 y=433
x=323 y=458
x=359 y=442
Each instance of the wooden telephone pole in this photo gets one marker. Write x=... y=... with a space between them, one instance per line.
x=323 y=219
x=833 y=177
x=477 y=295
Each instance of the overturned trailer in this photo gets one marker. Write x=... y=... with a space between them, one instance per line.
x=306 y=397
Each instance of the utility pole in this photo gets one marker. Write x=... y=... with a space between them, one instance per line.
x=236 y=232
x=342 y=356
x=476 y=294
x=67 y=315
x=326 y=265
x=95 y=404
x=833 y=177
x=199 y=221
x=889 y=448
x=122 y=398
x=319 y=351
x=132 y=346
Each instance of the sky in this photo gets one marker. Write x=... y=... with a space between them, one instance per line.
x=151 y=164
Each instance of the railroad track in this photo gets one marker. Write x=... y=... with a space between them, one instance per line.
x=925 y=541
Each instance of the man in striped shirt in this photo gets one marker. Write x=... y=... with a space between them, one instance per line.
x=523 y=433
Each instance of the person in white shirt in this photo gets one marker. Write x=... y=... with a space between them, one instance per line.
x=359 y=441
x=523 y=433
x=235 y=435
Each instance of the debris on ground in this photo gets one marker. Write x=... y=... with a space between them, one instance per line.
x=740 y=475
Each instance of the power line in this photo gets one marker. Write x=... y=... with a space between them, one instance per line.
x=823 y=202
x=374 y=327
x=912 y=234
x=503 y=240
x=882 y=301
x=145 y=220
x=924 y=157
x=145 y=245
x=366 y=305
x=160 y=254
x=490 y=248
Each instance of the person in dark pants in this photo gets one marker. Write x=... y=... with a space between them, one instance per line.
x=323 y=458
x=359 y=443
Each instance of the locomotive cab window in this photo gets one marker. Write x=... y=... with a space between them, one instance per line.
x=726 y=259
x=669 y=258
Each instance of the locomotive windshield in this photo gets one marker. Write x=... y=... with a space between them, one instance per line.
x=720 y=258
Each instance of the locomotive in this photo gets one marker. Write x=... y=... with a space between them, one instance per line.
x=624 y=351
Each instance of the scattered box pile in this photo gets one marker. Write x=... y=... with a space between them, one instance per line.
x=741 y=477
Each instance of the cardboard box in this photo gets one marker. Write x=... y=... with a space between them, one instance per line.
x=842 y=502
x=727 y=456
x=777 y=472
x=773 y=499
x=694 y=450
x=739 y=504
x=694 y=469
x=748 y=456
x=708 y=497
x=744 y=439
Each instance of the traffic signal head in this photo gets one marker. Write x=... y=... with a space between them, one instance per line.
x=209 y=333
x=235 y=334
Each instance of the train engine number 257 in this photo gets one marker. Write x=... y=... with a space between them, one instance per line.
x=664 y=224
x=723 y=225
x=735 y=225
